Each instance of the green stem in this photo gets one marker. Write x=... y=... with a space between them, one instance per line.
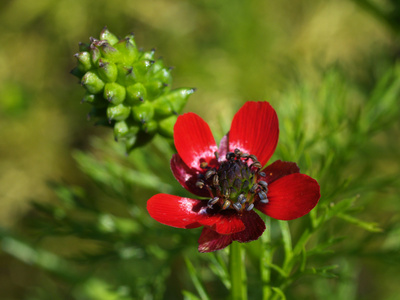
x=266 y=260
x=237 y=270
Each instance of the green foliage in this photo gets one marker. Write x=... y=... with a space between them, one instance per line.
x=89 y=236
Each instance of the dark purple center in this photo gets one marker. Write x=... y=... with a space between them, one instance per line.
x=234 y=183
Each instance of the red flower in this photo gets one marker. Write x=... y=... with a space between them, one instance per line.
x=232 y=179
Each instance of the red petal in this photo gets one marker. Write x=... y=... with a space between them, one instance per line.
x=255 y=130
x=187 y=177
x=183 y=212
x=194 y=140
x=255 y=227
x=211 y=241
x=291 y=197
x=175 y=211
x=279 y=169
x=223 y=222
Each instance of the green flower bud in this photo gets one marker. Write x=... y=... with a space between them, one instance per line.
x=114 y=93
x=84 y=61
x=125 y=129
x=136 y=93
x=92 y=82
x=120 y=79
x=155 y=88
x=126 y=75
x=118 y=113
x=150 y=127
x=95 y=100
x=166 y=126
x=143 y=113
x=179 y=97
x=141 y=68
x=110 y=53
x=106 y=35
x=128 y=50
x=107 y=71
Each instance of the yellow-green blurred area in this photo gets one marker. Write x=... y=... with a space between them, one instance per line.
x=231 y=51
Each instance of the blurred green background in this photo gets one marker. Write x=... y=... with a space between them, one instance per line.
x=231 y=51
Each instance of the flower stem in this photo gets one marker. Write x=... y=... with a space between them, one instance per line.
x=237 y=270
x=266 y=260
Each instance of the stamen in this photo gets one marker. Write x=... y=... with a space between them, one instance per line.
x=216 y=155
x=253 y=157
x=253 y=188
x=244 y=155
x=215 y=181
x=204 y=165
x=263 y=185
x=250 y=207
x=265 y=201
x=237 y=152
x=242 y=198
x=200 y=184
x=226 y=204
x=210 y=173
x=262 y=195
x=262 y=174
x=256 y=164
x=212 y=201
x=237 y=206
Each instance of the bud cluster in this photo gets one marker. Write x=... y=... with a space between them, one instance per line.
x=128 y=89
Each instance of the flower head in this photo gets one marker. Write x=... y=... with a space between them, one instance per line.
x=232 y=180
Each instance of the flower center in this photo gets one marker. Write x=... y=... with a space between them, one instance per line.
x=233 y=184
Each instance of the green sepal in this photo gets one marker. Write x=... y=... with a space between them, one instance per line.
x=118 y=112
x=141 y=68
x=166 y=126
x=162 y=107
x=125 y=129
x=126 y=75
x=107 y=71
x=159 y=72
x=150 y=127
x=179 y=97
x=114 y=93
x=109 y=52
x=95 y=100
x=149 y=55
x=106 y=35
x=84 y=61
x=92 y=82
x=143 y=113
x=155 y=88
x=128 y=50
x=136 y=93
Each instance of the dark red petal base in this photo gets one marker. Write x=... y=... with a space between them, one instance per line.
x=194 y=141
x=183 y=212
x=186 y=177
x=278 y=169
x=210 y=240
